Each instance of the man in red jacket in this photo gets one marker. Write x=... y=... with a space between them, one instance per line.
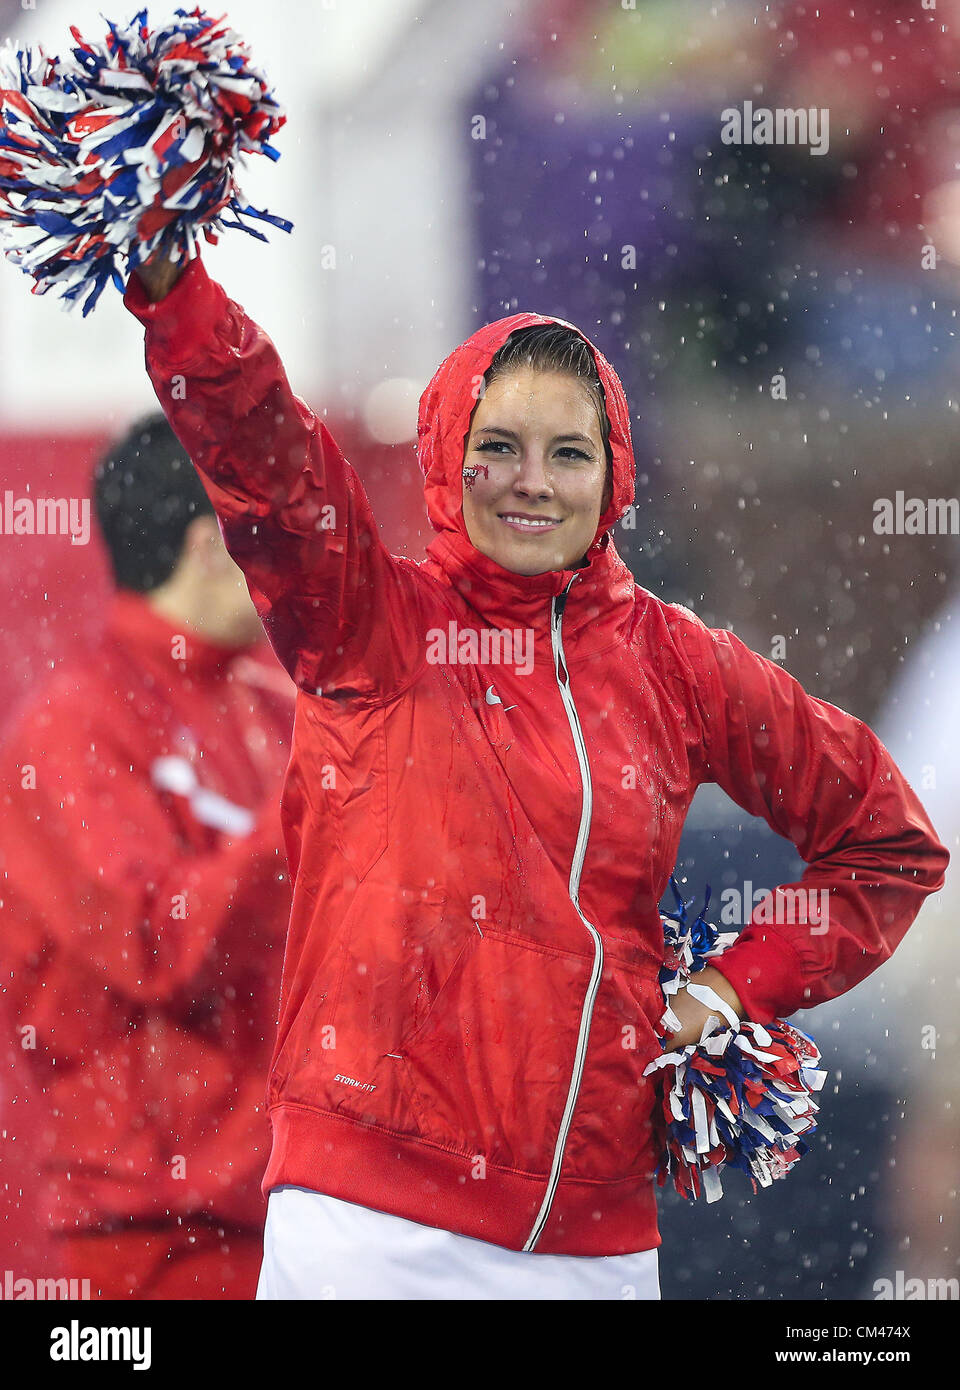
x=146 y=899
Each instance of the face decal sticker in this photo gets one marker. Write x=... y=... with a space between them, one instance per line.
x=471 y=471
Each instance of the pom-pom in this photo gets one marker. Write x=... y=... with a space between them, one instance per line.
x=127 y=148
x=743 y=1095
x=687 y=948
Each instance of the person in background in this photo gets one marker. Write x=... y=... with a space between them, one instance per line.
x=146 y=898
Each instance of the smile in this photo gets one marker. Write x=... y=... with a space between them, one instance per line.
x=529 y=523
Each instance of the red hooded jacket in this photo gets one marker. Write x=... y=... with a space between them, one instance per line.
x=470 y=986
x=145 y=900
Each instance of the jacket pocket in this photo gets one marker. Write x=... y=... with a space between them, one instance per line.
x=487 y=1071
x=615 y=1128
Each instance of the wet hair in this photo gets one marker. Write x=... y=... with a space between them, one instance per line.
x=552 y=347
x=146 y=492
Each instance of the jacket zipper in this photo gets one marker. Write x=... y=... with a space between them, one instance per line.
x=576 y=868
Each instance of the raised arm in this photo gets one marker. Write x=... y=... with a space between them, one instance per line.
x=823 y=780
x=339 y=610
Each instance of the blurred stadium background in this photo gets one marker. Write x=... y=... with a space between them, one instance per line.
x=447 y=163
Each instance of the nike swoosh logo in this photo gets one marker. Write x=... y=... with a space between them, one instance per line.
x=493 y=698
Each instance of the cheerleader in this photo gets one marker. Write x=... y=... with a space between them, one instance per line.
x=461 y=1094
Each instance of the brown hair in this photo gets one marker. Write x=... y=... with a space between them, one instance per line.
x=552 y=347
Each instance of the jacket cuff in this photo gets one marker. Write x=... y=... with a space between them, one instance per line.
x=180 y=321
x=766 y=972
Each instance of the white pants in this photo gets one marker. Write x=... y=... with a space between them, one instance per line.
x=318 y=1247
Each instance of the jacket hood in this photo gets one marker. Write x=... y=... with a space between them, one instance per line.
x=444 y=422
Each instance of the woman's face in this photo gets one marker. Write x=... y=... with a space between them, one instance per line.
x=539 y=489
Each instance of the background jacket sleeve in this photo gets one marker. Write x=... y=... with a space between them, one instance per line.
x=109 y=883
x=823 y=780
x=334 y=602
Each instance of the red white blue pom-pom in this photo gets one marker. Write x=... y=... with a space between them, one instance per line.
x=687 y=948
x=743 y=1095
x=127 y=147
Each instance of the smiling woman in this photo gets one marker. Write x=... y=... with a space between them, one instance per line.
x=538 y=471
x=471 y=999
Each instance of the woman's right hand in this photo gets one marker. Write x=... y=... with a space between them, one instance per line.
x=159 y=275
x=693 y=1014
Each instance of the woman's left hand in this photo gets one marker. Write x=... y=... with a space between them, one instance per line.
x=693 y=1015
